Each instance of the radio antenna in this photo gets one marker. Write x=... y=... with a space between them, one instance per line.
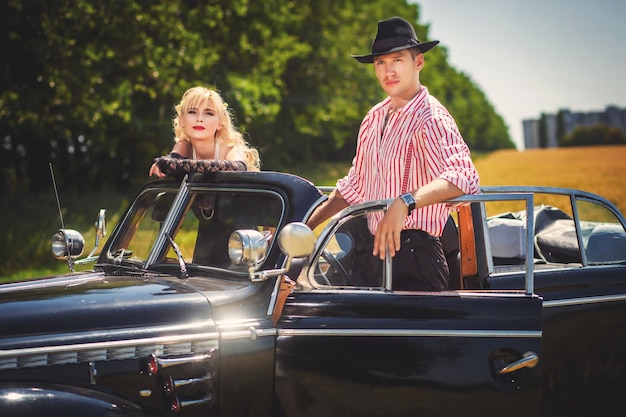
x=70 y=262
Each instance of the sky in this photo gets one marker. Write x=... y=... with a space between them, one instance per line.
x=535 y=56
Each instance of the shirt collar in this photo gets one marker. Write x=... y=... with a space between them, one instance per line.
x=416 y=102
x=411 y=106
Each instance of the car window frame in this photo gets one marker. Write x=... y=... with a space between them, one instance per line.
x=183 y=198
x=333 y=224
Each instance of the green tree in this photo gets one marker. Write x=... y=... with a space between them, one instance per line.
x=597 y=134
x=100 y=79
x=90 y=85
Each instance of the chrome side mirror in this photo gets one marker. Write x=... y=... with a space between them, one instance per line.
x=296 y=240
x=101 y=226
x=101 y=232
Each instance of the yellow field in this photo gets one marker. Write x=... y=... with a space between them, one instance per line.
x=597 y=169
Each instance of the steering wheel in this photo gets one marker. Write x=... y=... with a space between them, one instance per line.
x=336 y=269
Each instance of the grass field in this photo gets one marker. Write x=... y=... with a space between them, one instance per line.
x=597 y=169
x=28 y=224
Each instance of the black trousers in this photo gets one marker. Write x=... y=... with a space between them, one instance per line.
x=419 y=265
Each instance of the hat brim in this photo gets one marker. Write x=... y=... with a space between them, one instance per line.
x=369 y=59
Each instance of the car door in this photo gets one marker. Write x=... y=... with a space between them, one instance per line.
x=580 y=272
x=353 y=347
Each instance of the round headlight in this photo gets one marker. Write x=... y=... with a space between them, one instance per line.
x=235 y=248
x=67 y=243
x=248 y=247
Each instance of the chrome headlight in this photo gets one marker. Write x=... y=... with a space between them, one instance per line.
x=248 y=247
x=67 y=243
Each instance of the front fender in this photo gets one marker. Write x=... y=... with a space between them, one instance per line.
x=43 y=399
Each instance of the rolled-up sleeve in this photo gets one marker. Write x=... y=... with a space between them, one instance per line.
x=352 y=186
x=448 y=154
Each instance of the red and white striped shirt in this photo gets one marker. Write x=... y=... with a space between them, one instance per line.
x=380 y=165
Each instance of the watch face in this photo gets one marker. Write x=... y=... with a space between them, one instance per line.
x=409 y=200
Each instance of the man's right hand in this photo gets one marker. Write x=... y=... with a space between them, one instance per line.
x=388 y=231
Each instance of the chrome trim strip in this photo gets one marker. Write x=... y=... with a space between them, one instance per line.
x=327 y=189
x=243 y=329
x=138 y=333
x=585 y=300
x=49 y=282
x=246 y=334
x=165 y=340
x=411 y=333
x=236 y=324
x=377 y=291
x=274 y=297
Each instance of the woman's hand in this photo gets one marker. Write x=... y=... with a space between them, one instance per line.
x=154 y=170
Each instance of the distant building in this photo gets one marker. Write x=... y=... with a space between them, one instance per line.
x=531 y=133
x=564 y=122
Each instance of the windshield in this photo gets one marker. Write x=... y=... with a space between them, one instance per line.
x=201 y=227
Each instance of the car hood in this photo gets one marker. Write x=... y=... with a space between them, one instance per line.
x=94 y=307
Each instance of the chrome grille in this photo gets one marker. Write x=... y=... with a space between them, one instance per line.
x=118 y=350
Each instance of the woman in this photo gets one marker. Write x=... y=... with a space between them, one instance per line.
x=203 y=129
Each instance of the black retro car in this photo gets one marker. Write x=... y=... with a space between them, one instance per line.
x=212 y=298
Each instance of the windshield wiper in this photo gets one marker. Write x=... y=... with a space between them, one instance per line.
x=120 y=254
x=130 y=270
x=183 y=267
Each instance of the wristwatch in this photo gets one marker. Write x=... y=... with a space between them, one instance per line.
x=409 y=200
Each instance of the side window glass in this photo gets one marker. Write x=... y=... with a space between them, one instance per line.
x=346 y=260
x=555 y=242
x=213 y=216
x=604 y=238
x=555 y=238
x=135 y=241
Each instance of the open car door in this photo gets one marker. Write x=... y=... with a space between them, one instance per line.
x=353 y=348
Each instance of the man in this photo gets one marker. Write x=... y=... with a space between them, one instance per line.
x=410 y=149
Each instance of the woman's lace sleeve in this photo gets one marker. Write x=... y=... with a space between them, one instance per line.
x=174 y=164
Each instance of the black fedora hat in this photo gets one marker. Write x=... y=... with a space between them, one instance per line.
x=394 y=34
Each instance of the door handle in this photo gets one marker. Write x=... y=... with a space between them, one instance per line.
x=529 y=360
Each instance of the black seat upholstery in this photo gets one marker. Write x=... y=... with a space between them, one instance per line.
x=450 y=242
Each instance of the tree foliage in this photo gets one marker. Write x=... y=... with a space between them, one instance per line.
x=597 y=134
x=89 y=85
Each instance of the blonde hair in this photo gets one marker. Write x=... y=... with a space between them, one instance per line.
x=228 y=134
